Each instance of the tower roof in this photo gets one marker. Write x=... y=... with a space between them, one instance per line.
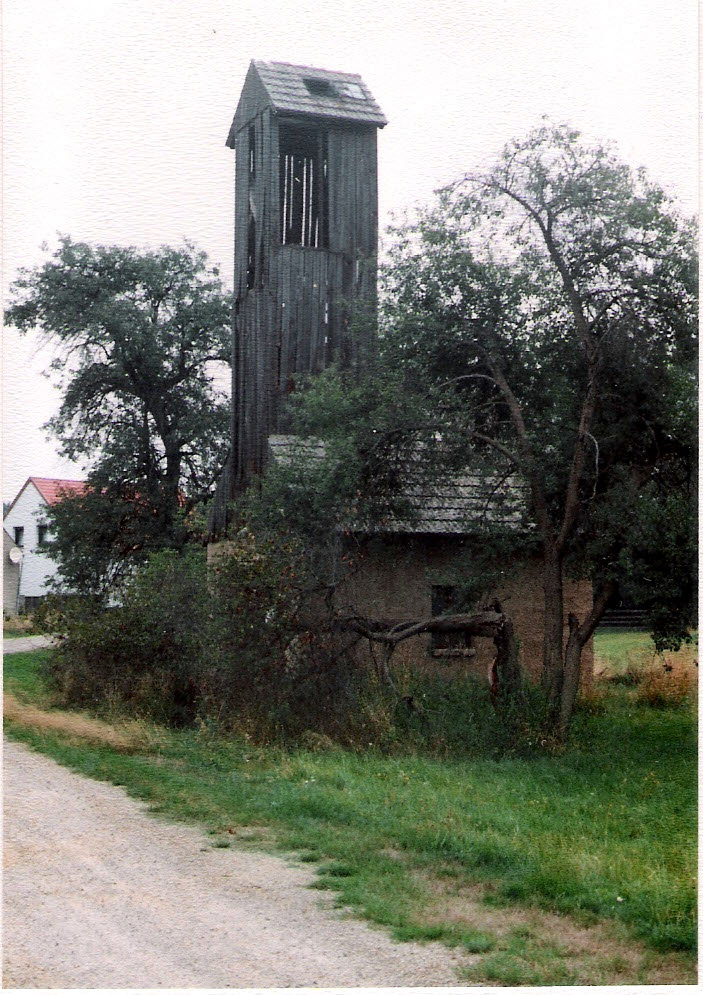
x=319 y=93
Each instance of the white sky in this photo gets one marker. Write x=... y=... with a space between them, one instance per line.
x=116 y=113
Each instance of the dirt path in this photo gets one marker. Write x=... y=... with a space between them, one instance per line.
x=97 y=894
x=21 y=644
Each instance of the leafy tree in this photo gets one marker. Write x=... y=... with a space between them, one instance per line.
x=134 y=334
x=539 y=320
x=97 y=537
x=546 y=310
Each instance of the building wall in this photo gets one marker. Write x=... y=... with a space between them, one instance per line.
x=37 y=568
x=10 y=577
x=395 y=581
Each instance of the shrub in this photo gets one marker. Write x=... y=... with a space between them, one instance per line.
x=148 y=652
x=229 y=643
x=246 y=642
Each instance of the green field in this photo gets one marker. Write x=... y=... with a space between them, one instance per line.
x=615 y=649
x=460 y=850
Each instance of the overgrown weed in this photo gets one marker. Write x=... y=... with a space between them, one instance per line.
x=669 y=685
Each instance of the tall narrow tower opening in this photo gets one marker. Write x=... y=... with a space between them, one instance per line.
x=304 y=186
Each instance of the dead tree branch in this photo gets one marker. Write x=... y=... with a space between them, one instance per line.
x=491 y=623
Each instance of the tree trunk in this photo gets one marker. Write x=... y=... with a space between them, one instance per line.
x=382 y=663
x=508 y=672
x=578 y=637
x=572 y=673
x=553 y=649
x=172 y=480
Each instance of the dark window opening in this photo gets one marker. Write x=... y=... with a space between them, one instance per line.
x=251 y=252
x=252 y=151
x=447 y=600
x=41 y=534
x=304 y=198
x=30 y=604
x=19 y=535
x=319 y=87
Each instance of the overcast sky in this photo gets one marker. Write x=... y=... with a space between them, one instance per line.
x=116 y=114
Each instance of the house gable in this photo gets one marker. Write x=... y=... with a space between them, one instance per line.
x=25 y=513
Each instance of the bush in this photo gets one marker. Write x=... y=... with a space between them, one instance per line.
x=228 y=642
x=246 y=643
x=147 y=653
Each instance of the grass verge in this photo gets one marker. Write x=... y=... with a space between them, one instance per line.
x=496 y=857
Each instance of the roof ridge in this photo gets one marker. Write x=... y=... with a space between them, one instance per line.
x=314 y=69
x=289 y=89
x=62 y=480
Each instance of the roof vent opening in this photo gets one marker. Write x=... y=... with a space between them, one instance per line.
x=320 y=87
x=352 y=90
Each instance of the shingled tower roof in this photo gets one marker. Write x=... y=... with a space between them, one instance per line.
x=305 y=90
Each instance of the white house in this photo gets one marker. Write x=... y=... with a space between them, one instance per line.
x=26 y=527
x=11 y=559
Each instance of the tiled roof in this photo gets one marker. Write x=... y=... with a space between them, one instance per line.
x=459 y=503
x=348 y=97
x=283 y=447
x=454 y=505
x=52 y=489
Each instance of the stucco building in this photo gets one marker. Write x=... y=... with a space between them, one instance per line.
x=25 y=526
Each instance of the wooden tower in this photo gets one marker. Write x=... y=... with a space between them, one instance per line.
x=305 y=242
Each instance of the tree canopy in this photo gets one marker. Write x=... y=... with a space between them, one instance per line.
x=542 y=318
x=135 y=335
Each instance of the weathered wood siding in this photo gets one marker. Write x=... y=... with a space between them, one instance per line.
x=295 y=309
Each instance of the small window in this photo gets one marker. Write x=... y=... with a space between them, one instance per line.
x=19 y=535
x=320 y=87
x=352 y=90
x=42 y=531
x=447 y=600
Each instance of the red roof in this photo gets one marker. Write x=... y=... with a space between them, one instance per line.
x=52 y=490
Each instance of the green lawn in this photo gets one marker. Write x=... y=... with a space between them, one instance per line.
x=605 y=832
x=615 y=649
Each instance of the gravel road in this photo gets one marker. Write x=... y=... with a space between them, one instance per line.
x=98 y=894
x=23 y=643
